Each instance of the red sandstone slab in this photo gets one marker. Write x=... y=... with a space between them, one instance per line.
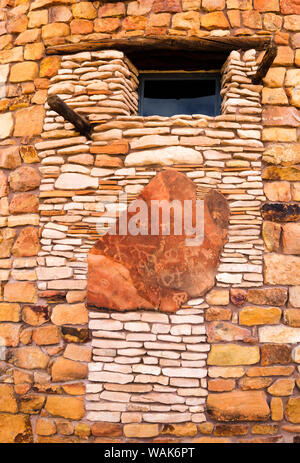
x=127 y=272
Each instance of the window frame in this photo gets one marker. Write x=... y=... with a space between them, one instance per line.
x=205 y=75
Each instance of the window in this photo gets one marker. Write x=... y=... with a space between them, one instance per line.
x=179 y=93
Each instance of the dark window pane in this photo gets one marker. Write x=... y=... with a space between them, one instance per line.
x=170 y=96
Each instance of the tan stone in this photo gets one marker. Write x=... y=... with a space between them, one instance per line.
x=30 y=358
x=3 y=185
x=34 y=51
x=276 y=409
x=32 y=403
x=49 y=66
x=84 y=10
x=282 y=387
x=251 y=316
x=271 y=233
x=28 y=154
x=74 y=389
x=9 y=334
x=292 y=317
x=15 y=428
x=284 y=154
x=21 y=72
x=24 y=203
x=20 y=292
x=106 y=429
x=274 y=96
x=25 y=178
x=294 y=296
x=279 y=334
x=291 y=238
x=285 y=56
x=278 y=191
x=52 y=30
x=29 y=121
x=218 y=297
x=27 y=244
x=8 y=401
x=247 y=384
x=264 y=429
x=292 y=411
x=215 y=20
x=76 y=352
x=46 y=335
x=45 y=427
x=9 y=312
x=275 y=77
x=141 y=430
x=11 y=55
x=35 y=315
x=279 y=134
x=238 y=406
x=10 y=158
x=75 y=314
x=66 y=407
x=7 y=236
x=281 y=269
x=68 y=370
x=81 y=26
x=233 y=354
x=6 y=125
x=296 y=191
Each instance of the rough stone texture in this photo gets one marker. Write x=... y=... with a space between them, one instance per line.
x=238 y=406
x=151 y=284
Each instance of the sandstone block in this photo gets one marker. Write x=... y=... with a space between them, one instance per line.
x=291 y=238
x=25 y=178
x=30 y=358
x=6 y=125
x=281 y=269
x=20 y=292
x=282 y=387
x=292 y=411
x=278 y=191
x=279 y=334
x=141 y=430
x=294 y=296
x=27 y=244
x=66 y=407
x=238 y=406
x=10 y=158
x=233 y=354
x=68 y=370
x=29 y=121
x=69 y=314
x=251 y=316
x=24 y=203
x=15 y=428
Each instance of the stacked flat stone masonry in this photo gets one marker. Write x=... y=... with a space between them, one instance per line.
x=253 y=332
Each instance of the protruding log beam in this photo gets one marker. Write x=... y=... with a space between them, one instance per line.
x=144 y=44
x=265 y=65
x=80 y=123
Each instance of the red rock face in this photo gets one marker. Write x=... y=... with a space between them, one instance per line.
x=161 y=272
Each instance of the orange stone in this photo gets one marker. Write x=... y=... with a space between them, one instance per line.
x=29 y=121
x=106 y=429
x=24 y=203
x=81 y=26
x=221 y=385
x=45 y=427
x=215 y=20
x=35 y=315
x=247 y=384
x=67 y=407
x=21 y=72
x=276 y=409
x=238 y=406
x=73 y=314
x=25 y=178
x=27 y=244
x=49 y=66
x=9 y=334
x=282 y=387
x=106 y=24
x=20 y=292
x=30 y=358
x=8 y=401
x=292 y=411
x=46 y=335
x=68 y=370
x=15 y=428
x=52 y=30
x=128 y=280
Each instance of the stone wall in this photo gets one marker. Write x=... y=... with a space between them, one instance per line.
x=48 y=226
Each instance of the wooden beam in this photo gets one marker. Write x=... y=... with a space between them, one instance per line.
x=80 y=123
x=265 y=65
x=193 y=44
